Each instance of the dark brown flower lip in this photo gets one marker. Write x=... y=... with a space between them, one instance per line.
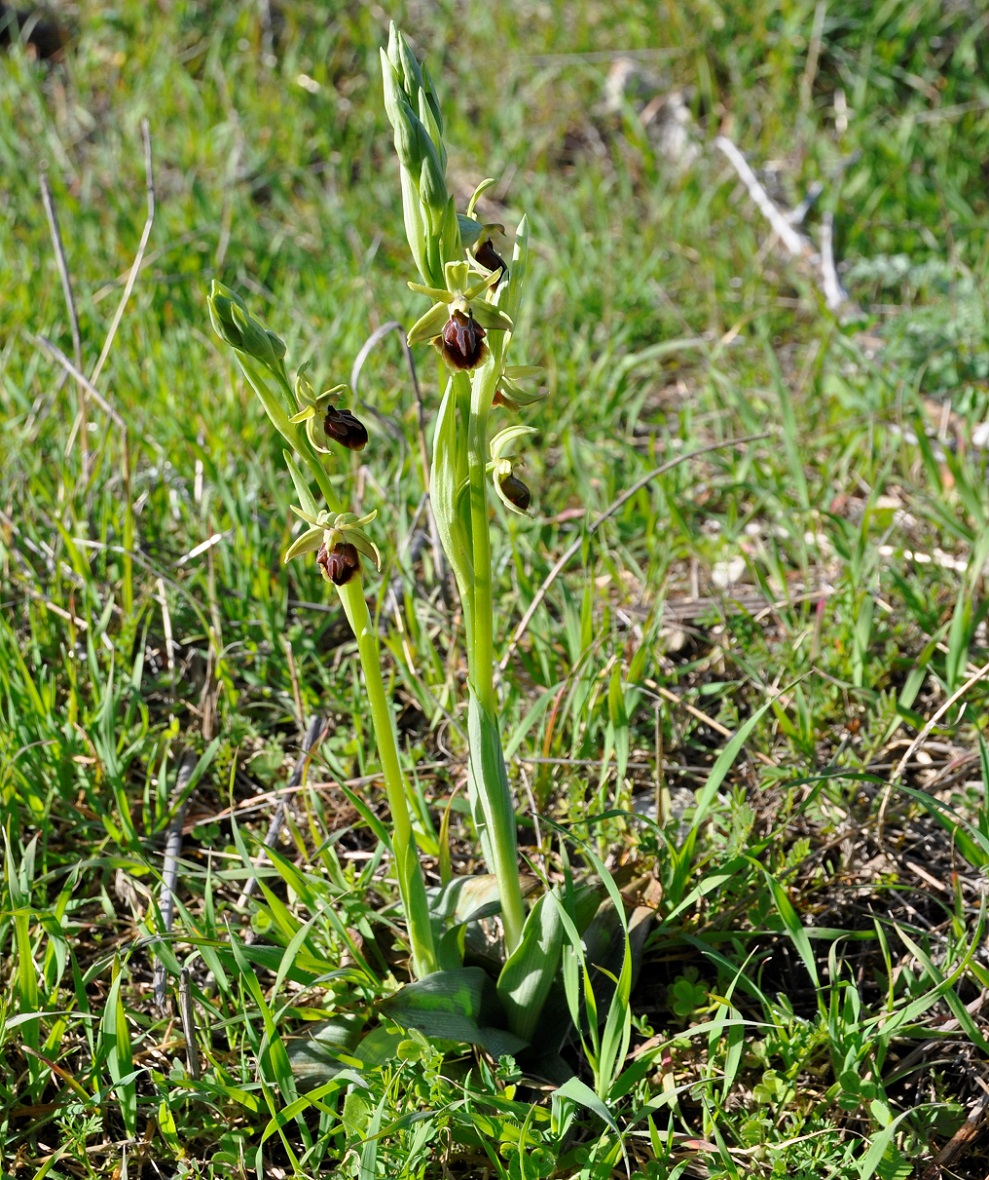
x=345 y=428
x=490 y=260
x=340 y=563
x=462 y=341
x=516 y=492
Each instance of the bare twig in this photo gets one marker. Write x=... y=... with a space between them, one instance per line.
x=63 y=267
x=393 y=428
x=958 y=1142
x=666 y=694
x=834 y=293
x=170 y=868
x=166 y=621
x=925 y=1048
x=84 y=381
x=187 y=1014
x=918 y=741
x=797 y=244
x=566 y=557
x=813 y=58
x=80 y=426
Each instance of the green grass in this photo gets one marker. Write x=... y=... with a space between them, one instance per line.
x=803 y=993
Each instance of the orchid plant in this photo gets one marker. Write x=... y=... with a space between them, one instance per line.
x=475 y=298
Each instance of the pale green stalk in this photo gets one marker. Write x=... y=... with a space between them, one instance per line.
x=488 y=773
x=411 y=884
x=482 y=641
x=293 y=434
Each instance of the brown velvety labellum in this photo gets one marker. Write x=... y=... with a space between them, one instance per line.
x=462 y=341
x=486 y=256
x=345 y=428
x=516 y=492
x=340 y=563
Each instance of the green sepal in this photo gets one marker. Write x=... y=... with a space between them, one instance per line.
x=491 y=318
x=430 y=325
x=476 y=196
x=308 y=542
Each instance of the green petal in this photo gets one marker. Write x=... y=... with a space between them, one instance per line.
x=314 y=519
x=437 y=294
x=518 y=396
x=477 y=289
x=365 y=546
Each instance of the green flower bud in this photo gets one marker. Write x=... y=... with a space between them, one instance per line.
x=432 y=183
x=235 y=325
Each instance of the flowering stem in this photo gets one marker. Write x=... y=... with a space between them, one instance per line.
x=296 y=437
x=487 y=761
x=482 y=644
x=411 y=883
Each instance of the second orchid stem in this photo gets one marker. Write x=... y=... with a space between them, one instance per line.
x=411 y=882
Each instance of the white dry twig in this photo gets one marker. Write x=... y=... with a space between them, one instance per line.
x=798 y=245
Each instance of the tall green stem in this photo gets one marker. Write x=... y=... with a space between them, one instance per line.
x=487 y=761
x=482 y=641
x=295 y=435
x=411 y=883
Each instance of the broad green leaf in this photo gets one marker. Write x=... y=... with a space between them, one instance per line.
x=459 y=1005
x=527 y=977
